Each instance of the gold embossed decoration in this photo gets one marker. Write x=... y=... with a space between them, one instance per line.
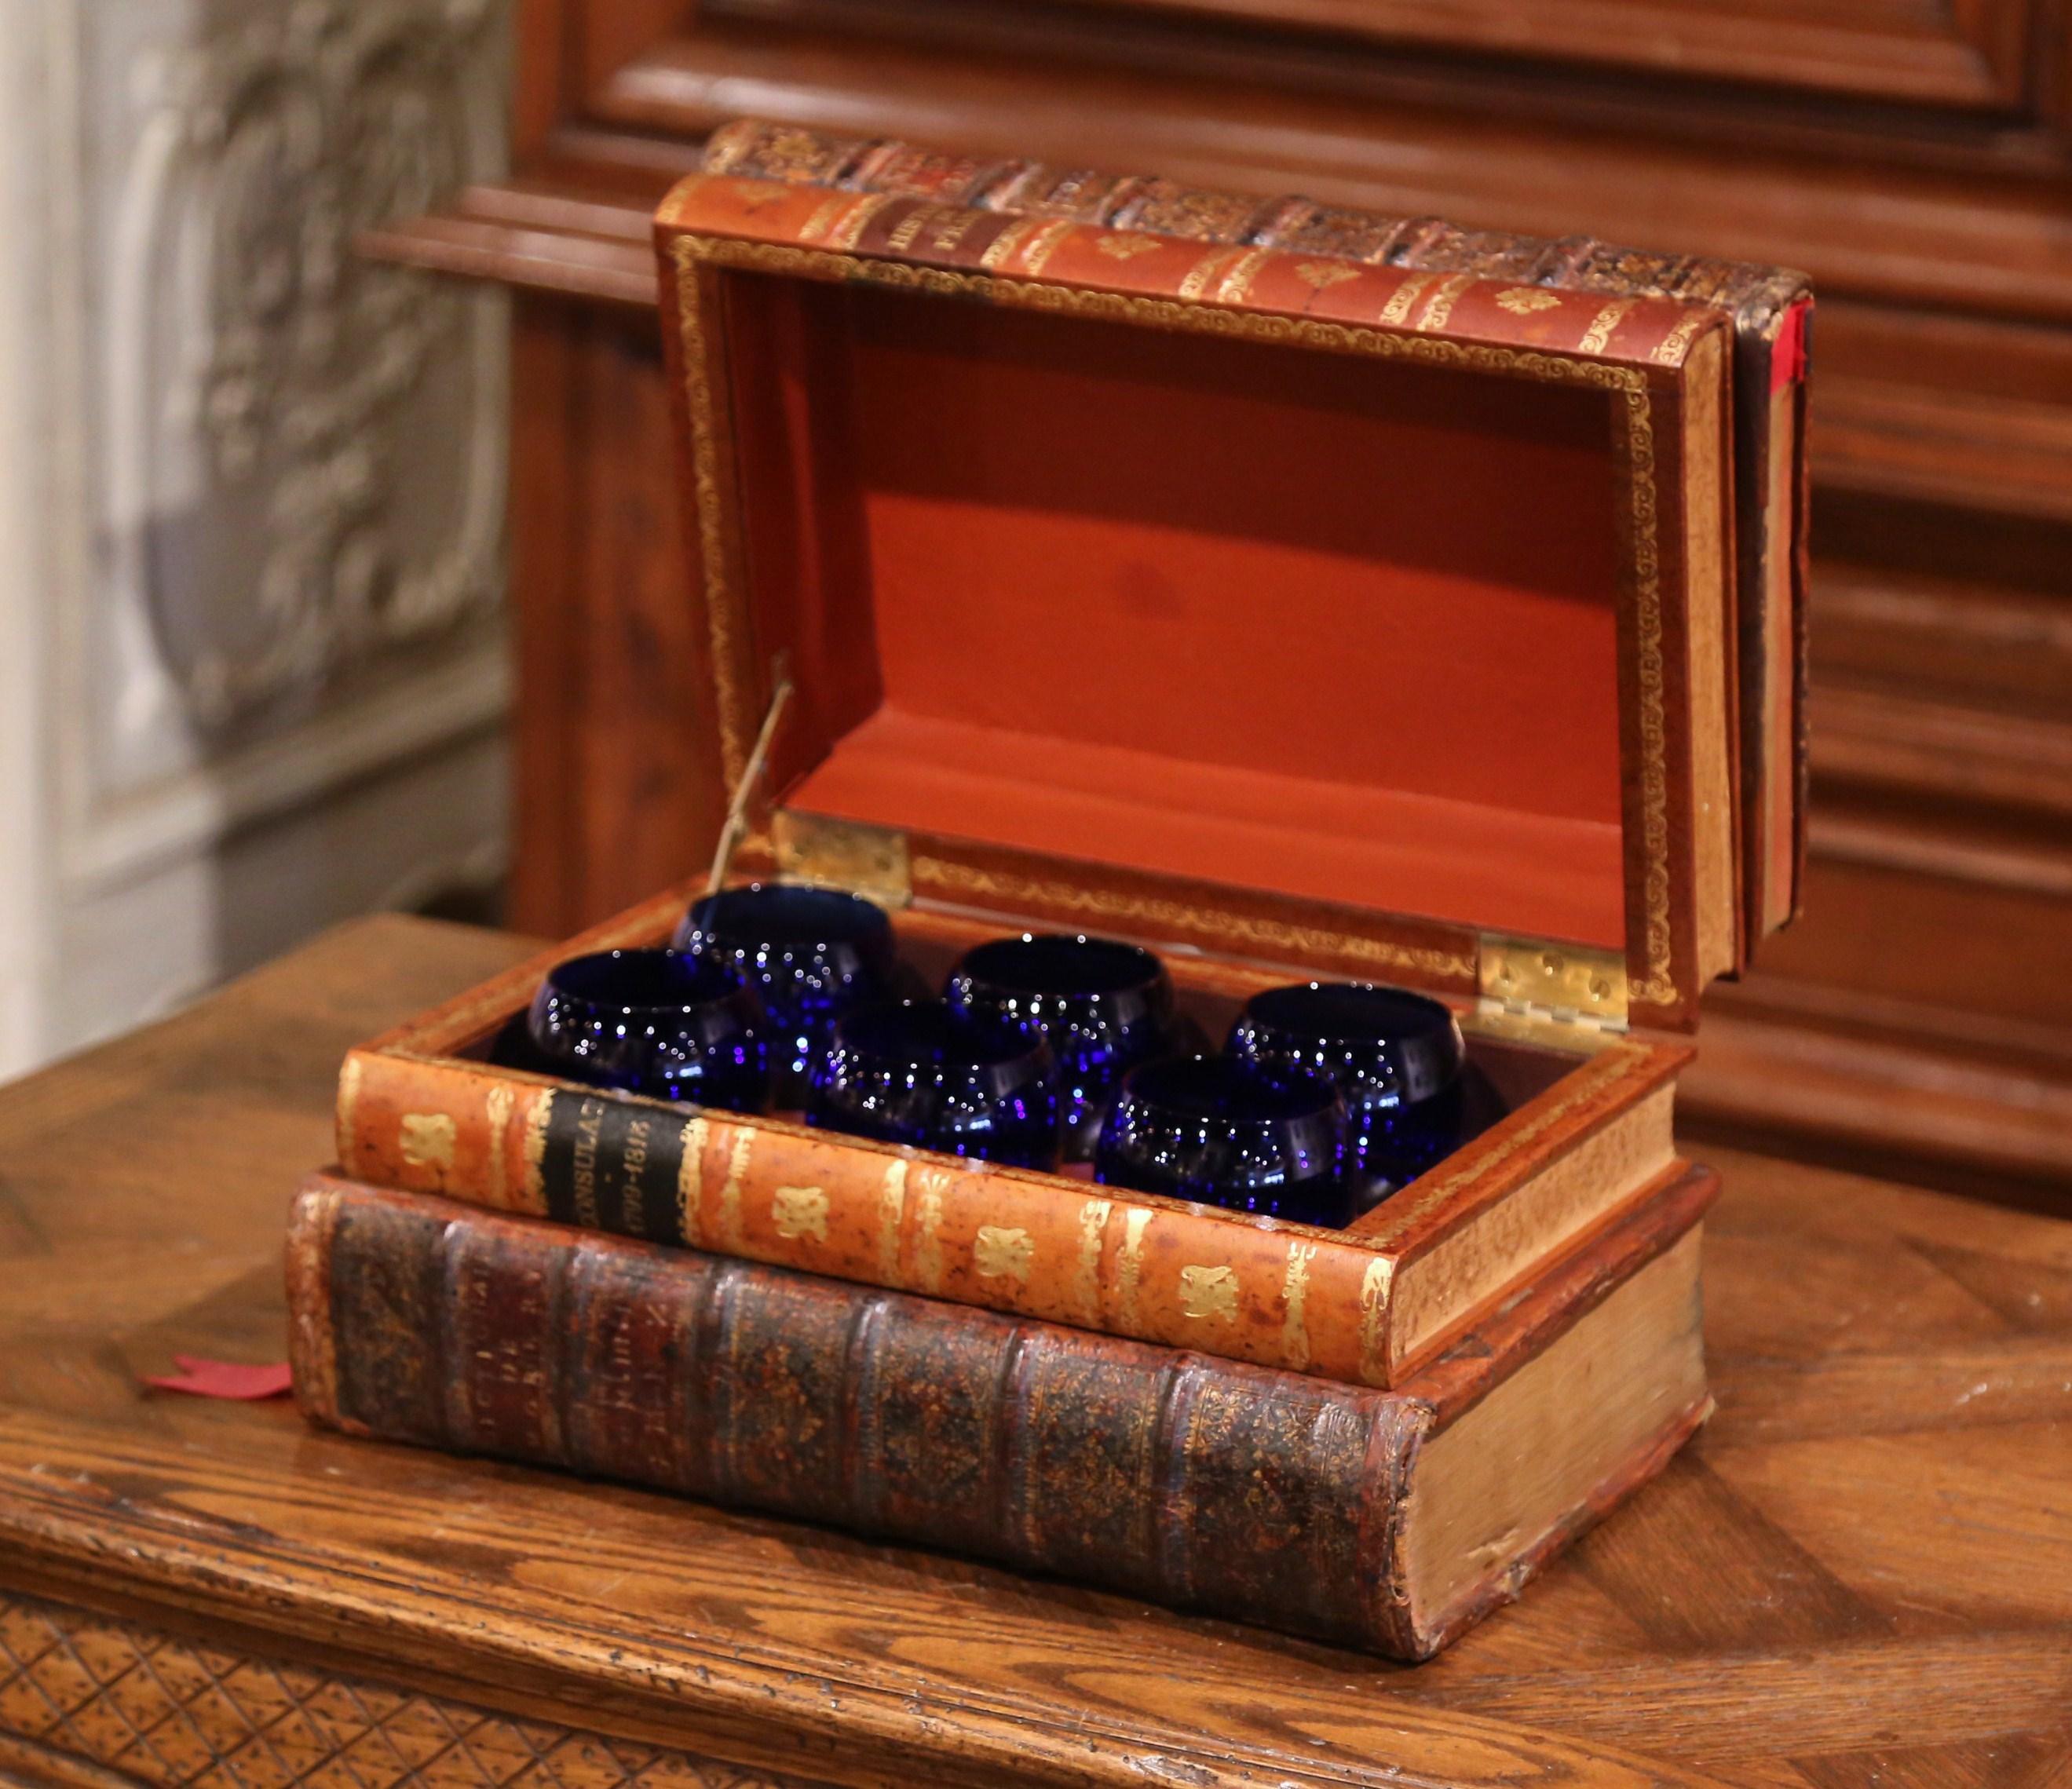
x=1086 y=1274
x=1130 y=1270
x=428 y=1140
x=1402 y=297
x=799 y=1211
x=1122 y=248
x=1440 y=311
x=891 y=1208
x=691 y=1184
x=1294 y=1298
x=1205 y=271
x=928 y=1255
x=1206 y=1292
x=1236 y=285
x=1598 y=336
x=1004 y=1253
x=815 y=226
x=1374 y=1317
x=1323 y=274
x=1670 y=351
x=498 y=1104
x=1523 y=300
x=1004 y=244
x=1044 y=244
x=729 y=1191
x=86 y=1701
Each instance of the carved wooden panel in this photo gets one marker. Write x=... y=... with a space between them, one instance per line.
x=82 y=1694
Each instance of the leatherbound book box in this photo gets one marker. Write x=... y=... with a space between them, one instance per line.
x=1297 y=616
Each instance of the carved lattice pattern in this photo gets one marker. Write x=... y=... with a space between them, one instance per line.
x=178 y=1716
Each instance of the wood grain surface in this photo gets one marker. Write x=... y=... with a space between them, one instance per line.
x=1860 y=1573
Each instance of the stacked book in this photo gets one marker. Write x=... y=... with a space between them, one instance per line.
x=1388 y=1517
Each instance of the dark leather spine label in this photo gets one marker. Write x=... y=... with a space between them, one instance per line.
x=615 y=1165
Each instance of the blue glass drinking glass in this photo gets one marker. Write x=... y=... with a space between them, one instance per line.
x=811 y=954
x=1102 y=1007
x=660 y=1023
x=1212 y=1128
x=913 y=1072
x=1397 y=1058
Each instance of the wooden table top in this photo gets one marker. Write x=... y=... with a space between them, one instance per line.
x=1860 y=1573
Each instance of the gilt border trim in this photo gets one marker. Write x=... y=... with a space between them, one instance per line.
x=698 y=260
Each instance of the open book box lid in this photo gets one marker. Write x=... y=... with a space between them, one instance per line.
x=1282 y=605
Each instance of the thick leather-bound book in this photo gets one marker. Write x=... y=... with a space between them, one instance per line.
x=1387 y=1519
x=1771 y=308
x=1364 y=1305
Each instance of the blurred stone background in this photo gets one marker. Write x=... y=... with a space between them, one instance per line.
x=252 y=493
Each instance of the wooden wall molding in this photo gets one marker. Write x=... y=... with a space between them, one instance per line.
x=1968 y=56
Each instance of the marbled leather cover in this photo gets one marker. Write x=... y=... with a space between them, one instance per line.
x=1161 y=1473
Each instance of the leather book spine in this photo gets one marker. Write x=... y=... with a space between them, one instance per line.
x=1203 y=1484
x=1756 y=295
x=1655 y=335
x=1290 y=1296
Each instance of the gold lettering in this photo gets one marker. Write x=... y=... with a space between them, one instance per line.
x=953 y=232
x=590 y=1121
x=632 y=1214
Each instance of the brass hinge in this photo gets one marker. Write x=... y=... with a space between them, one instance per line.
x=1565 y=983
x=842 y=854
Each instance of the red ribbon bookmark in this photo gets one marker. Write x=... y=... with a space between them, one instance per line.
x=206 y=1378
